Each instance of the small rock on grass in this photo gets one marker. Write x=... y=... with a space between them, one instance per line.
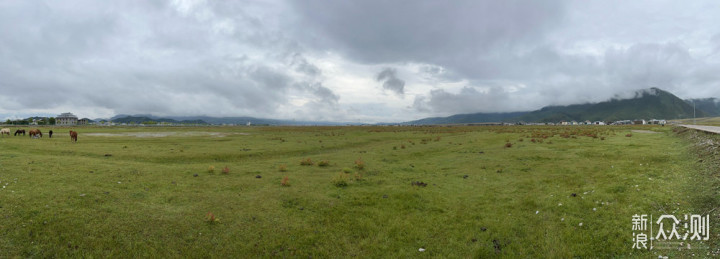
x=258 y=176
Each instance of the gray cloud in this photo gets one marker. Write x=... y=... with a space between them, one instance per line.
x=150 y=57
x=388 y=77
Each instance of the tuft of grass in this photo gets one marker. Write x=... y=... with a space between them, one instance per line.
x=359 y=164
x=282 y=168
x=211 y=169
x=307 y=161
x=323 y=163
x=340 y=180
x=347 y=170
x=508 y=145
x=285 y=182
x=628 y=135
x=226 y=170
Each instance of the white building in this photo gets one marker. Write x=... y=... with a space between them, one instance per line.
x=66 y=119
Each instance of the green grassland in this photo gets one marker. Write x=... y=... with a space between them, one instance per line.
x=710 y=121
x=115 y=194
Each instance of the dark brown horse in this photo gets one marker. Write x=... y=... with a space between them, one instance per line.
x=50 y=134
x=20 y=131
x=36 y=133
x=73 y=136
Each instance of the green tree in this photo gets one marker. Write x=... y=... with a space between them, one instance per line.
x=51 y=121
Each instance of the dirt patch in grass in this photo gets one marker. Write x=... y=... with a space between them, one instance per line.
x=163 y=134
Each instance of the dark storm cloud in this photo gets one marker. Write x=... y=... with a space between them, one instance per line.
x=399 y=31
x=478 y=39
x=388 y=77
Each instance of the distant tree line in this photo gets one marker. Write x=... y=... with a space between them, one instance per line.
x=39 y=120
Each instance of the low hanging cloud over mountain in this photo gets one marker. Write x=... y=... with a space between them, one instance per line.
x=324 y=60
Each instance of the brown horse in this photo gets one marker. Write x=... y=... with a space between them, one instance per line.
x=36 y=133
x=20 y=131
x=73 y=136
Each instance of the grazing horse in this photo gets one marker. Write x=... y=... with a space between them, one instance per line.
x=5 y=131
x=20 y=131
x=50 y=134
x=36 y=133
x=73 y=136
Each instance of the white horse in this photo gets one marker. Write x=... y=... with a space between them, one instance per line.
x=5 y=131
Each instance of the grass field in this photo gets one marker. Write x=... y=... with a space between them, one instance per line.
x=709 y=121
x=380 y=192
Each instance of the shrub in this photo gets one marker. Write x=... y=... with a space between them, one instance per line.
x=340 y=180
x=285 y=182
x=357 y=177
x=307 y=161
x=226 y=170
x=211 y=169
x=359 y=164
x=282 y=168
x=323 y=163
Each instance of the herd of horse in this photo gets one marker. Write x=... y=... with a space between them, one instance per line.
x=35 y=133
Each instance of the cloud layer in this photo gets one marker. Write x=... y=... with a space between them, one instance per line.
x=364 y=61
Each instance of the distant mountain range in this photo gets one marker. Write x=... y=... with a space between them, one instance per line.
x=711 y=106
x=140 y=118
x=145 y=119
x=468 y=118
x=650 y=103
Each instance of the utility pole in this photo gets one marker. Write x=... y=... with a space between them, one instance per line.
x=694 y=123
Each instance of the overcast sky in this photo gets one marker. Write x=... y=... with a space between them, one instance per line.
x=354 y=61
